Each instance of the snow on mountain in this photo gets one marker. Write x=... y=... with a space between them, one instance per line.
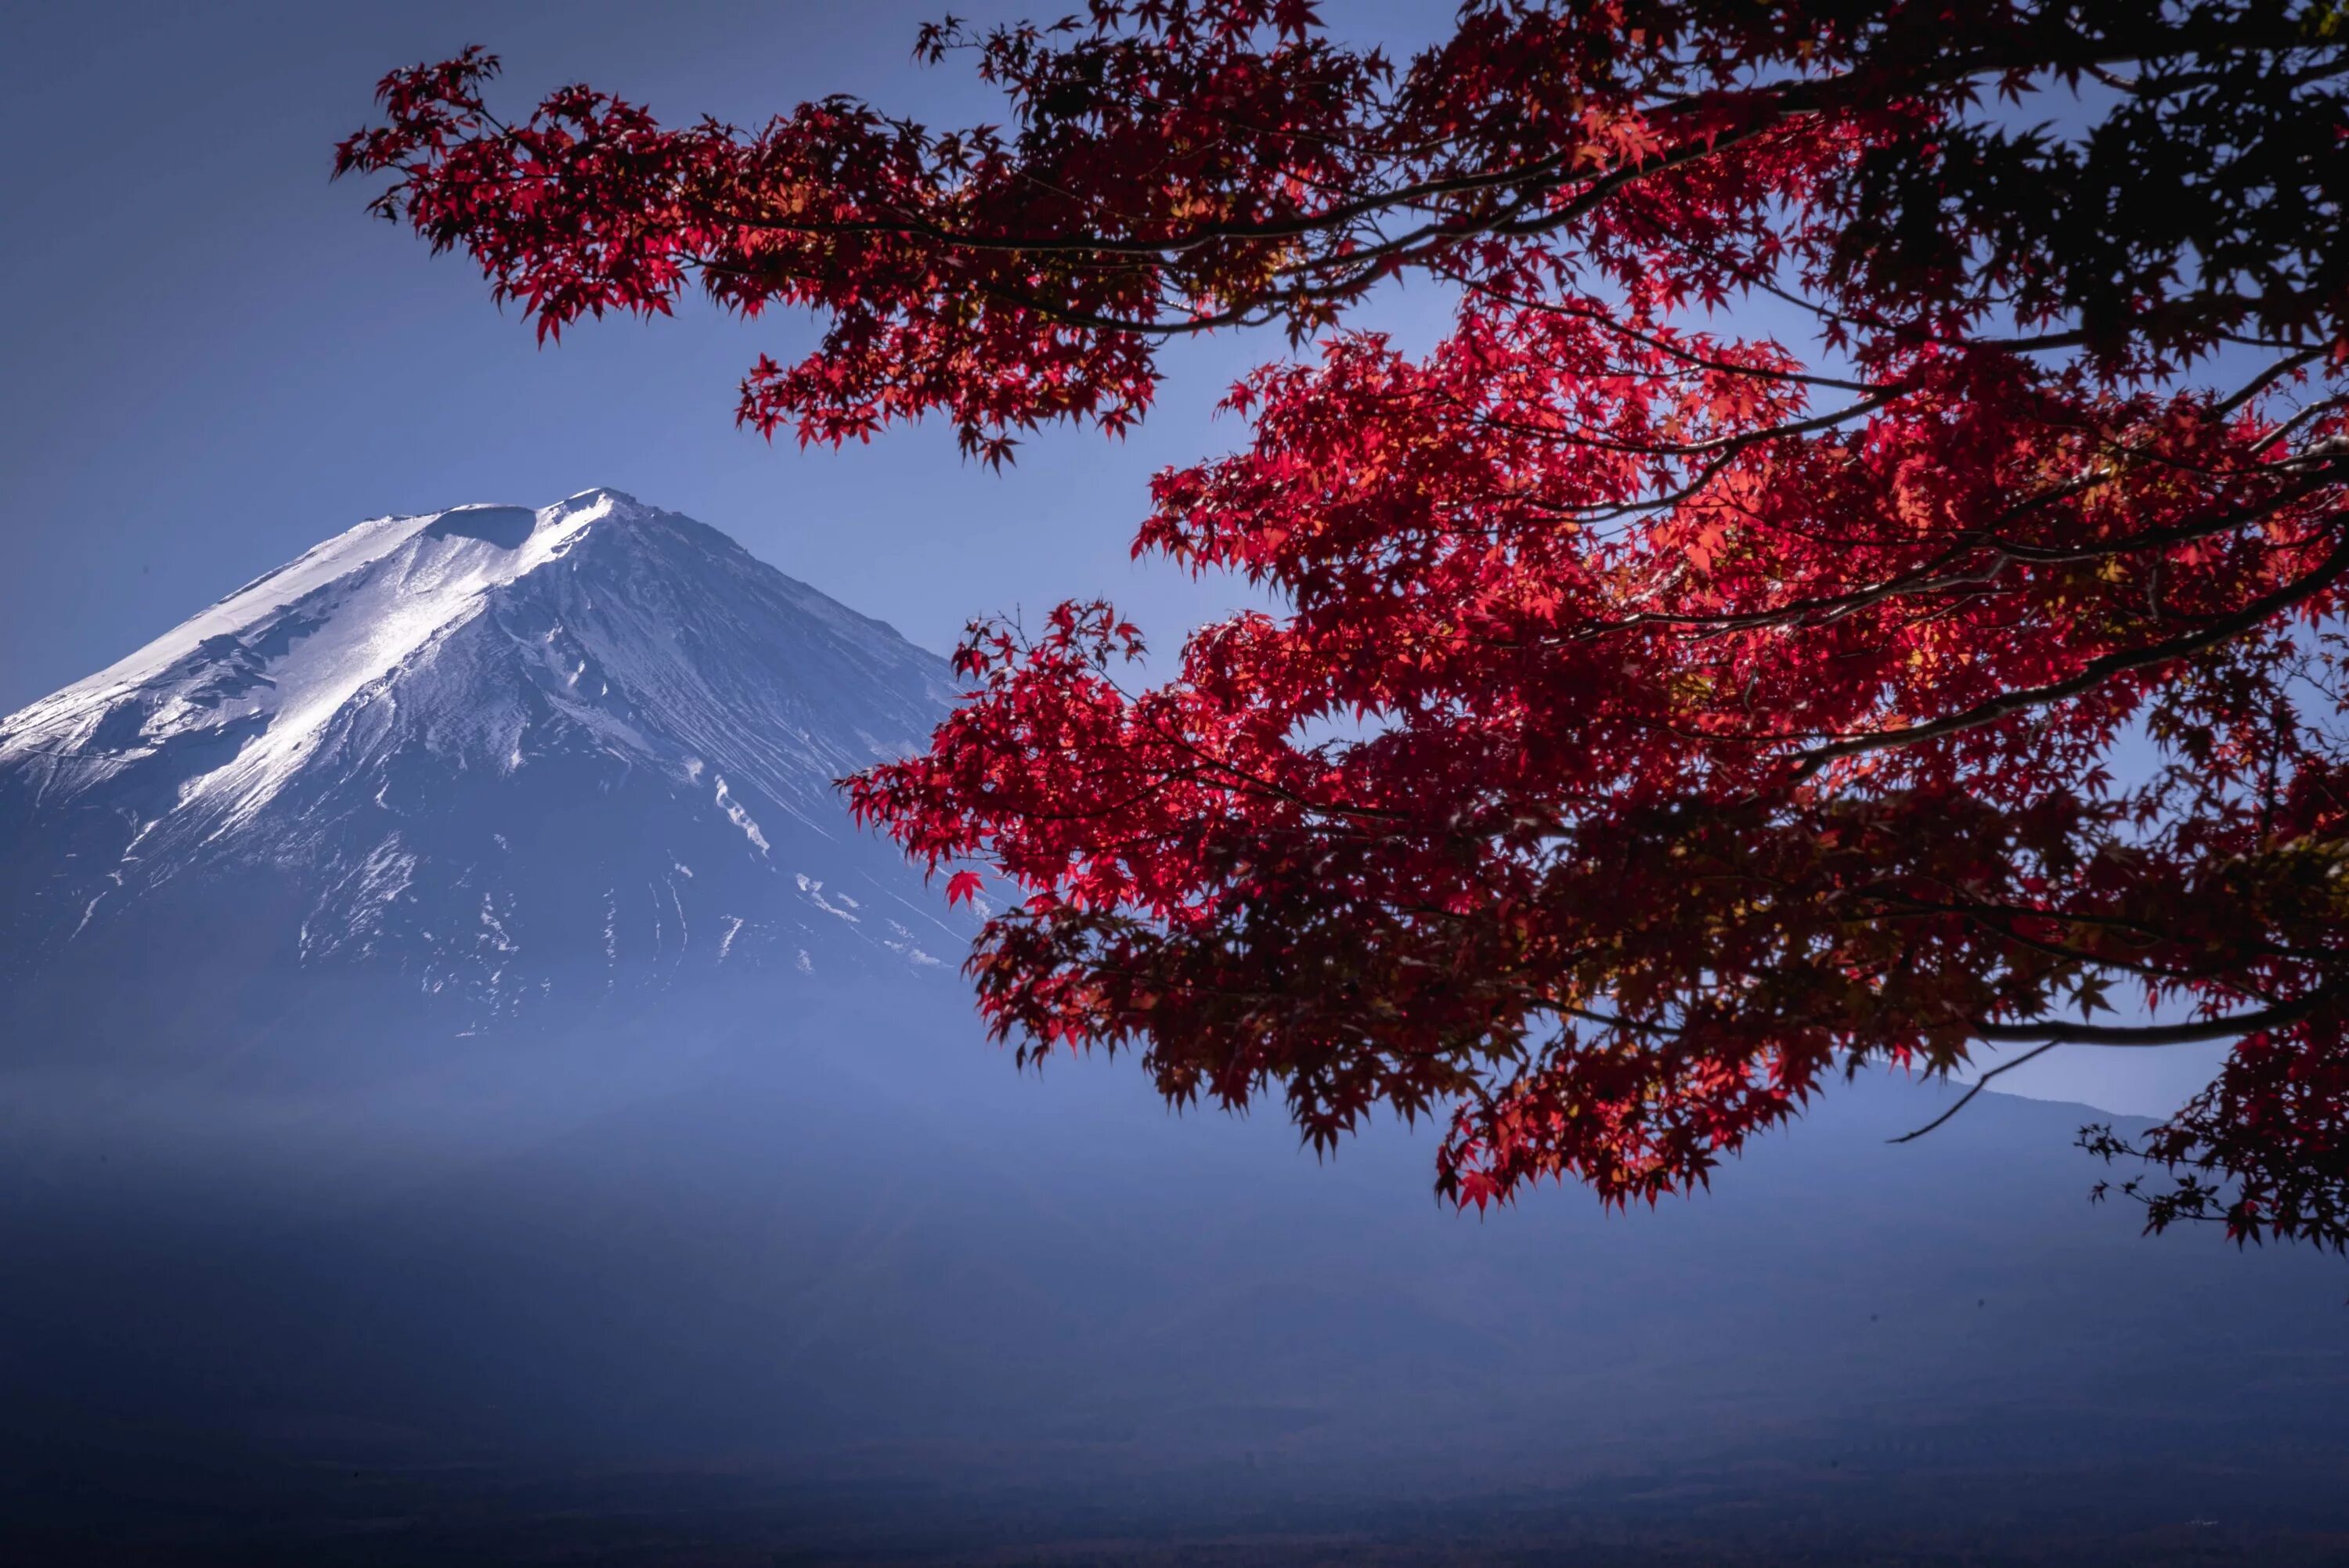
x=494 y=751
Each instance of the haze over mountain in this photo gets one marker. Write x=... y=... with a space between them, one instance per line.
x=460 y=1069
x=510 y=757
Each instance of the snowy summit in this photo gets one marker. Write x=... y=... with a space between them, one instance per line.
x=492 y=749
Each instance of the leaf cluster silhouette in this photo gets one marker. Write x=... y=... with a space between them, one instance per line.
x=1662 y=716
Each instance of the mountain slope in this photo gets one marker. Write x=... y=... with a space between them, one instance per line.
x=500 y=753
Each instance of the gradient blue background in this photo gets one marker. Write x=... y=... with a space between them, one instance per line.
x=215 y=356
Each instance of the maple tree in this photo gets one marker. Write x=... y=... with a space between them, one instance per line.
x=1662 y=716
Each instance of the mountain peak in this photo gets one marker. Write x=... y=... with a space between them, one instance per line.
x=386 y=715
x=618 y=499
x=298 y=644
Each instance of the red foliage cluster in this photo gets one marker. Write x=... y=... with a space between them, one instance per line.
x=1659 y=720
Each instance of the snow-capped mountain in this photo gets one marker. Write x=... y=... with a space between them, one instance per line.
x=495 y=752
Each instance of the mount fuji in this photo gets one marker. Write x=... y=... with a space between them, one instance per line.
x=492 y=761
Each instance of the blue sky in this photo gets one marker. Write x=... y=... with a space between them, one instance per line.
x=214 y=358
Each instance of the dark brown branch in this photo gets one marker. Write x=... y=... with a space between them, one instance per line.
x=1980 y=1084
x=2096 y=672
